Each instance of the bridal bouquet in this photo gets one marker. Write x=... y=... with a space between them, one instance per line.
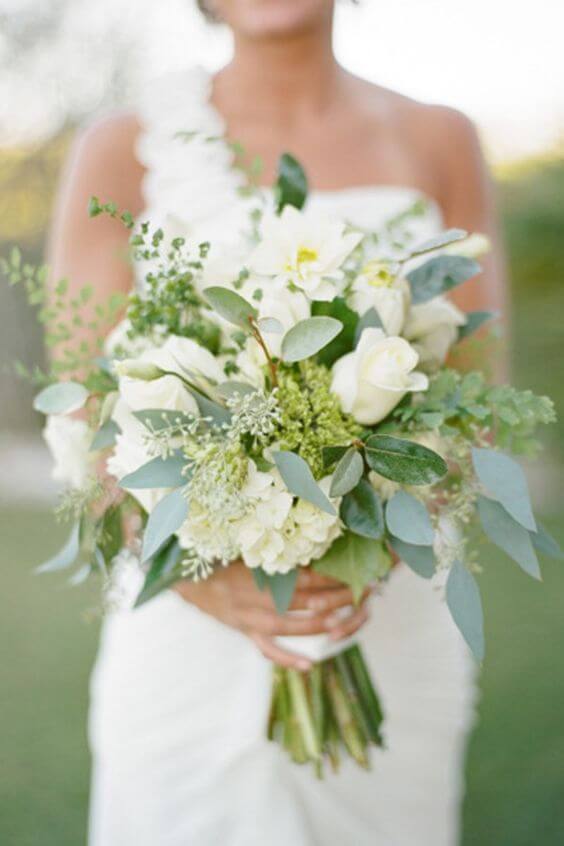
x=289 y=406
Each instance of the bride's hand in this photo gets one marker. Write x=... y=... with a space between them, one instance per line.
x=231 y=596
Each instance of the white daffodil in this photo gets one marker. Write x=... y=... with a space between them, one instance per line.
x=306 y=250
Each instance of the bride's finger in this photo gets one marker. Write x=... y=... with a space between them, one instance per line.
x=308 y=579
x=272 y=624
x=278 y=655
x=327 y=600
x=340 y=628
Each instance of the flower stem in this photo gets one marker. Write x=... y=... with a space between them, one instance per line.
x=302 y=713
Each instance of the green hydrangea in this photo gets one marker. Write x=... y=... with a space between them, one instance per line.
x=310 y=415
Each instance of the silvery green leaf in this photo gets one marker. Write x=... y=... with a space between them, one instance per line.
x=439 y=275
x=299 y=480
x=270 y=324
x=61 y=398
x=79 y=576
x=508 y=534
x=160 y=574
x=369 y=320
x=465 y=605
x=546 y=544
x=408 y=520
x=281 y=586
x=156 y=419
x=164 y=520
x=356 y=561
x=474 y=319
x=259 y=577
x=231 y=306
x=421 y=559
x=66 y=556
x=441 y=240
x=347 y=473
x=232 y=387
x=308 y=337
x=291 y=186
x=404 y=461
x=105 y=436
x=219 y=415
x=505 y=481
x=158 y=473
x=361 y=511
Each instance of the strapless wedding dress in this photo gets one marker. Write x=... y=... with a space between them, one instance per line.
x=179 y=701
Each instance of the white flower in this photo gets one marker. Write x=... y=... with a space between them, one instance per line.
x=305 y=249
x=371 y=380
x=119 y=343
x=389 y=296
x=288 y=307
x=69 y=443
x=432 y=328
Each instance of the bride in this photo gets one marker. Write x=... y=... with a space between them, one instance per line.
x=180 y=689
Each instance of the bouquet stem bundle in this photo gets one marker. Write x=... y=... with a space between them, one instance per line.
x=330 y=710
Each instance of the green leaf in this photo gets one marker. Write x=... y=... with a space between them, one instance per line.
x=61 y=398
x=66 y=556
x=158 y=473
x=441 y=240
x=345 y=340
x=291 y=185
x=161 y=573
x=421 y=559
x=299 y=480
x=546 y=544
x=509 y=535
x=111 y=540
x=164 y=520
x=408 y=520
x=356 y=561
x=220 y=415
x=332 y=454
x=505 y=481
x=369 y=320
x=404 y=461
x=308 y=337
x=465 y=605
x=259 y=577
x=347 y=473
x=231 y=306
x=282 y=586
x=105 y=436
x=361 y=511
x=474 y=319
x=438 y=275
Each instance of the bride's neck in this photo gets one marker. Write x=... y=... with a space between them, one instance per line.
x=281 y=76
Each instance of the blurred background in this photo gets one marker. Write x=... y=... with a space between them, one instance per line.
x=62 y=62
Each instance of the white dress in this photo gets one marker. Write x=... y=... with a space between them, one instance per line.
x=179 y=701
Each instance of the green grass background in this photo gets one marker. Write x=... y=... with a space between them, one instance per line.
x=515 y=772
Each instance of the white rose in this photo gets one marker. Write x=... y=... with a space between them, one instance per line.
x=288 y=307
x=69 y=443
x=305 y=249
x=371 y=380
x=432 y=328
x=375 y=287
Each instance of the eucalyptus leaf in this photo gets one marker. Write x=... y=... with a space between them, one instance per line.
x=281 y=587
x=347 y=473
x=356 y=561
x=61 y=398
x=546 y=544
x=361 y=511
x=231 y=306
x=158 y=473
x=291 y=185
x=66 y=556
x=509 y=535
x=421 y=559
x=270 y=324
x=408 y=519
x=465 y=605
x=505 y=481
x=439 y=275
x=450 y=236
x=308 y=337
x=161 y=573
x=474 y=319
x=299 y=480
x=105 y=436
x=164 y=520
x=404 y=461
x=259 y=577
x=369 y=320
x=219 y=415
x=80 y=575
x=344 y=342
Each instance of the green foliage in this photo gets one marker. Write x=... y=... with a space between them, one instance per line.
x=291 y=186
x=344 y=342
x=465 y=605
x=421 y=559
x=347 y=473
x=408 y=519
x=280 y=585
x=439 y=275
x=361 y=511
x=164 y=520
x=356 y=561
x=308 y=337
x=299 y=480
x=404 y=461
x=163 y=570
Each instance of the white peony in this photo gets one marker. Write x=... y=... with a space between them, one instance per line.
x=371 y=380
x=432 y=328
x=69 y=443
x=390 y=297
x=305 y=249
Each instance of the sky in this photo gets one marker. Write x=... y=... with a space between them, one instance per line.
x=500 y=61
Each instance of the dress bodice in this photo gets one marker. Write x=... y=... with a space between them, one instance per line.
x=193 y=188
